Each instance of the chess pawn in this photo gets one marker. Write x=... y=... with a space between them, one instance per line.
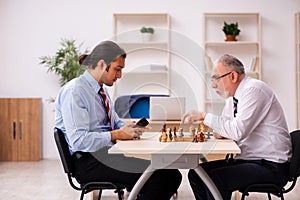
x=160 y=138
x=169 y=136
x=173 y=137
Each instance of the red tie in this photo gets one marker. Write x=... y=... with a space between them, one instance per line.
x=107 y=108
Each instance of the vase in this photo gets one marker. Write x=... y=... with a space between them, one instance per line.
x=147 y=37
x=231 y=38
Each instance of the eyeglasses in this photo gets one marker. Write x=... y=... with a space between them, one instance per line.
x=217 y=77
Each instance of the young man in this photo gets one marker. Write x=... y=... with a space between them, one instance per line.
x=252 y=117
x=85 y=113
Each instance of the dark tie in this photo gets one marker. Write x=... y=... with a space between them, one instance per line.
x=107 y=108
x=235 y=102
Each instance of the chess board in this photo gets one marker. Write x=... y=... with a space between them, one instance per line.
x=174 y=135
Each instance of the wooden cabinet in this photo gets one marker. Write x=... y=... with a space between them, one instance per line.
x=20 y=129
x=247 y=48
x=148 y=64
x=297 y=20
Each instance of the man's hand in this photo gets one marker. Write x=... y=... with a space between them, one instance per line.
x=127 y=132
x=218 y=136
x=193 y=116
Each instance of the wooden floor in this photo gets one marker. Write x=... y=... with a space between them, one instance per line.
x=45 y=180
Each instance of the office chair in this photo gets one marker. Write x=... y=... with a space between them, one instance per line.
x=294 y=173
x=67 y=162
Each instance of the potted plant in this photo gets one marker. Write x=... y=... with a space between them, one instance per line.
x=65 y=62
x=147 y=33
x=231 y=31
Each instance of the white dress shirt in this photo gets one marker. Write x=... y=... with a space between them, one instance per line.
x=259 y=128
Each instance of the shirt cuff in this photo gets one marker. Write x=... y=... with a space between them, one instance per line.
x=211 y=121
x=108 y=136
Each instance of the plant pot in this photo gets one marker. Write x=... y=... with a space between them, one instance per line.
x=231 y=38
x=147 y=37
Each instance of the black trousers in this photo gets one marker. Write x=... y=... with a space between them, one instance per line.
x=101 y=166
x=230 y=175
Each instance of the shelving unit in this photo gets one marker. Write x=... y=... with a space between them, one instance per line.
x=148 y=64
x=247 y=48
x=297 y=40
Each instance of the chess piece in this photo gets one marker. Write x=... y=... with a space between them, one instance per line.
x=173 y=137
x=164 y=128
x=192 y=131
x=164 y=137
x=201 y=137
x=208 y=135
x=180 y=131
x=195 y=139
x=202 y=127
x=169 y=136
x=174 y=132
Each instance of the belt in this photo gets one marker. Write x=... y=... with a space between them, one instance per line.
x=78 y=154
x=265 y=163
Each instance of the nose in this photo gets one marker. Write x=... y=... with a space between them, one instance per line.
x=213 y=84
x=119 y=74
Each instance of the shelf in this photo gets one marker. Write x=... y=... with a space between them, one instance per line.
x=217 y=44
x=148 y=69
x=137 y=43
x=247 y=48
x=222 y=15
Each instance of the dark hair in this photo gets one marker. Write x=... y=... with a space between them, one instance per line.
x=106 y=50
x=233 y=63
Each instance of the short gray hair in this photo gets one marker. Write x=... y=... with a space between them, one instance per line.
x=232 y=63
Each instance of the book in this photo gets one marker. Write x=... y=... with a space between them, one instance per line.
x=208 y=63
x=254 y=64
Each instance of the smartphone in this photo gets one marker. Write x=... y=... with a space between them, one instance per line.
x=141 y=123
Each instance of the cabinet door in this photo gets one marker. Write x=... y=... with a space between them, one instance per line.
x=7 y=131
x=28 y=129
x=20 y=129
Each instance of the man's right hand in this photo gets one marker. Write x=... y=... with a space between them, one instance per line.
x=193 y=116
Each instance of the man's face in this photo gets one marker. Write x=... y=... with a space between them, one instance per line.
x=221 y=80
x=114 y=72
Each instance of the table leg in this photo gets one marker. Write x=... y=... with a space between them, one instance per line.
x=208 y=182
x=140 y=183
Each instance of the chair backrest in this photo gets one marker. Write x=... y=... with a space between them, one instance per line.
x=295 y=161
x=63 y=149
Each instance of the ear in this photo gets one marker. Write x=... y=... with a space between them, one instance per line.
x=101 y=64
x=234 y=76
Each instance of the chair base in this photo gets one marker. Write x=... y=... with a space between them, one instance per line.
x=92 y=186
x=263 y=188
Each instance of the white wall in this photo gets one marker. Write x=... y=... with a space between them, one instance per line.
x=32 y=28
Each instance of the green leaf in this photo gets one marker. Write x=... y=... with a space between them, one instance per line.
x=65 y=61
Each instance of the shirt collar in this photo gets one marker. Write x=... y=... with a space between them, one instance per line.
x=92 y=82
x=239 y=90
